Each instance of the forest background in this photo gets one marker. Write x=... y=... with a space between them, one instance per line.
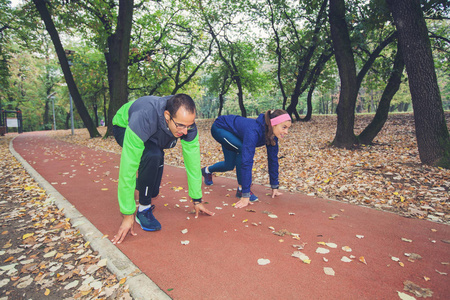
x=232 y=57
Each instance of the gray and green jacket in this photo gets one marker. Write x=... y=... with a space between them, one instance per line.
x=144 y=121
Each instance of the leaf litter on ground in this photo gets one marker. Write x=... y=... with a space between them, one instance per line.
x=43 y=256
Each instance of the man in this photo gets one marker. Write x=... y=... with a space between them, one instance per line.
x=144 y=128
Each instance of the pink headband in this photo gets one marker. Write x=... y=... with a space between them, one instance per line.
x=280 y=119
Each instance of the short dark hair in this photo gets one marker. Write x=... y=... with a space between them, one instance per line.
x=174 y=103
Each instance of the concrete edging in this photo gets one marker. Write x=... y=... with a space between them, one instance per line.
x=140 y=285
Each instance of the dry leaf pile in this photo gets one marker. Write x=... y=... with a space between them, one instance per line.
x=42 y=255
x=387 y=175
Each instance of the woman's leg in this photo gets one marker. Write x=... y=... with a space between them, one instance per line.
x=231 y=147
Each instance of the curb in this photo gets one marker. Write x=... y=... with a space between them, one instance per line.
x=140 y=285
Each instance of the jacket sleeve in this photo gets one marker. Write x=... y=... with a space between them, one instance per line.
x=272 y=160
x=191 y=156
x=132 y=150
x=248 y=153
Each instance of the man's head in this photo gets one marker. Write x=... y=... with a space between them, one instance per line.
x=180 y=114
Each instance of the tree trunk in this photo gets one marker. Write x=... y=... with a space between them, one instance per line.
x=79 y=104
x=278 y=54
x=221 y=100
x=117 y=60
x=432 y=134
x=345 y=137
x=304 y=68
x=370 y=132
x=240 y=94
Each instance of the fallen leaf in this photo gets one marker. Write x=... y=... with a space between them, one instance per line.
x=359 y=236
x=442 y=273
x=273 y=216
x=9 y=259
x=347 y=249
x=346 y=259
x=47 y=292
x=407 y=240
x=263 y=261
x=413 y=288
x=363 y=260
x=331 y=245
x=184 y=242
x=404 y=296
x=328 y=271
x=321 y=250
x=27 y=235
x=184 y=231
x=303 y=257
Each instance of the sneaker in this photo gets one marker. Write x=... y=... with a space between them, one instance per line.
x=207 y=177
x=253 y=197
x=146 y=219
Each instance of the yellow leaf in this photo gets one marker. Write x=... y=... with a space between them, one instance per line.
x=245 y=221
x=322 y=243
x=104 y=189
x=362 y=259
x=5 y=232
x=9 y=259
x=27 y=235
x=47 y=292
x=306 y=261
x=401 y=264
x=86 y=244
x=395 y=193
x=122 y=281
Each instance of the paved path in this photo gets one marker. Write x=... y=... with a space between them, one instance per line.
x=221 y=259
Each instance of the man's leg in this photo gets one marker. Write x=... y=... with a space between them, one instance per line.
x=149 y=179
x=150 y=173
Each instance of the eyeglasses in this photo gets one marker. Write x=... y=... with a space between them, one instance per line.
x=182 y=126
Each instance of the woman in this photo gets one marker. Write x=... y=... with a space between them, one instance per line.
x=239 y=138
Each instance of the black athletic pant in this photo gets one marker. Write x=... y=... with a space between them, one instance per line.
x=150 y=169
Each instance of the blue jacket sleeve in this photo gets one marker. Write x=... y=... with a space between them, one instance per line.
x=272 y=161
x=248 y=153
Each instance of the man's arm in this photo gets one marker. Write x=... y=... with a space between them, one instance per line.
x=191 y=156
x=133 y=147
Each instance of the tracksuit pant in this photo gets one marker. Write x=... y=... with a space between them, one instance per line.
x=232 y=151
